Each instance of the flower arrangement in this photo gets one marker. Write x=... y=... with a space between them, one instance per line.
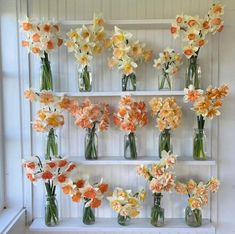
x=194 y=31
x=41 y=39
x=161 y=179
x=87 y=42
x=168 y=62
x=127 y=54
x=91 y=117
x=49 y=117
x=168 y=115
x=198 y=197
x=131 y=114
x=206 y=105
x=51 y=172
x=80 y=189
x=126 y=204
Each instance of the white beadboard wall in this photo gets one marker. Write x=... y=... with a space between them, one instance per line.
x=216 y=60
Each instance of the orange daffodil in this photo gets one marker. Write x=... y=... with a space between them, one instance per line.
x=52 y=172
x=41 y=38
x=131 y=114
x=88 y=115
x=206 y=103
x=194 y=29
x=168 y=113
x=159 y=175
x=127 y=52
x=125 y=203
x=198 y=193
x=87 y=41
x=79 y=188
x=50 y=115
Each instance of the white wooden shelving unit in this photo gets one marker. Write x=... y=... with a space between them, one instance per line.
x=110 y=225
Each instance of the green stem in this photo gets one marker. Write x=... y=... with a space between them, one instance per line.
x=46 y=75
x=52 y=146
x=91 y=144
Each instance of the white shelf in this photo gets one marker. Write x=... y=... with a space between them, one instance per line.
x=126 y=24
x=118 y=94
x=114 y=160
x=110 y=225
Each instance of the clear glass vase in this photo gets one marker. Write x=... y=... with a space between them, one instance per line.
x=193 y=218
x=164 y=142
x=51 y=211
x=165 y=81
x=88 y=215
x=130 y=146
x=91 y=144
x=51 y=144
x=199 y=144
x=46 y=82
x=157 y=212
x=123 y=220
x=129 y=82
x=193 y=73
x=84 y=79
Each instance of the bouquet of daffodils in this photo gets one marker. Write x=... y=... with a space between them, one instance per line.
x=51 y=172
x=206 y=105
x=41 y=39
x=130 y=116
x=87 y=42
x=168 y=115
x=194 y=31
x=91 y=117
x=168 y=63
x=126 y=204
x=49 y=118
x=198 y=194
x=80 y=189
x=127 y=54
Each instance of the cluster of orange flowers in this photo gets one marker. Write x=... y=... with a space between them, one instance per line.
x=194 y=29
x=159 y=175
x=167 y=112
x=41 y=37
x=79 y=188
x=87 y=114
x=206 y=103
x=57 y=171
x=50 y=115
x=131 y=114
x=197 y=192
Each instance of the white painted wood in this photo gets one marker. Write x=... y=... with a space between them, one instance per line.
x=186 y=161
x=119 y=94
x=125 y=24
x=110 y=225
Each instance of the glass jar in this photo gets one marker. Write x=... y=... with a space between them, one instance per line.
x=46 y=82
x=51 y=211
x=129 y=82
x=91 y=144
x=157 y=212
x=130 y=146
x=84 y=79
x=199 y=144
x=51 y=144
x=164 y=142
x=88 y=215
x=165 y=81
x=193 y=73
x=123 y=220
x=193 y=218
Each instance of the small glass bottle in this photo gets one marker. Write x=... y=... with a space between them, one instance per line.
x=91 y=144
x=193 y=218
x=157 y=212
x=130 y=146
x=51 y=211
x=84 y=79
x=199 y=144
